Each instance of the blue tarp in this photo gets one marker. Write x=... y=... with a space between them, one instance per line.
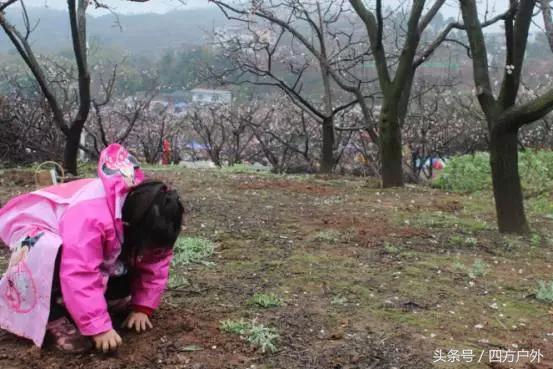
x=196 y=146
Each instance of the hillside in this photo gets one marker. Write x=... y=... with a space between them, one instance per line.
x=140 y=33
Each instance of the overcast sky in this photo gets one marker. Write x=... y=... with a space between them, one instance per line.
x=121 y=6
x=451 y=7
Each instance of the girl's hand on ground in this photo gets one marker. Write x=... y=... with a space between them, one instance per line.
x=108 y=341
x=138 y=321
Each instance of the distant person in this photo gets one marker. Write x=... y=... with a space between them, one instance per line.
x=85 y=249
x=166 y=157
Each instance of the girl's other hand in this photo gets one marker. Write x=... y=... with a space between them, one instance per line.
x=108 y=341
x=138 y=321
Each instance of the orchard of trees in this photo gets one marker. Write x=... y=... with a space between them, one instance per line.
x=354 y=87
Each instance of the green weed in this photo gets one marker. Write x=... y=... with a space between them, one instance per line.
x=339 y=300
x=478 y=269
x=266 y=300
x=189 y=250
x=472 y=173
x=536 y=240
x=545 y=291
x=257 y=335
x=391 y=249
x=239 y=327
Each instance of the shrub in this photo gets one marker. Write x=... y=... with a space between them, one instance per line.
x=466 y=173
x=471 y=173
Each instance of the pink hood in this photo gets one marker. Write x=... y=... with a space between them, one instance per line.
x=119 y=171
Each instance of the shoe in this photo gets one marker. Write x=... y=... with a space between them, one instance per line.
x=66 y=337
x=119 y=306
x=119 y=310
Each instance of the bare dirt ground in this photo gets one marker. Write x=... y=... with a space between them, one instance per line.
x=370 y=278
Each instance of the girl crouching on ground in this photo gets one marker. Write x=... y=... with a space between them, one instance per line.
x=85 y=249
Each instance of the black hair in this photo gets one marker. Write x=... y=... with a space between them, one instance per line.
x=152 y=218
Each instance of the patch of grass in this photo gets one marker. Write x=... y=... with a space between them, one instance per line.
x=331 y=236
x=443 y=220
x=479 y=203
x=478 y=269
x=244 y=168
x=266 y=300
x=545 y=291
x=540 y=205
x=462 y=241
x=510 y=242
x=458 y=265
x=391 y=249
x=257 y=335
x=536 y=240
x=189 y=250
x=398 y=316
x=513 y=242
x=516 y=309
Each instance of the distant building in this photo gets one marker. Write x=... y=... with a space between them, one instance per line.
x=174 y=103
x=177 y=103
x=207 y=96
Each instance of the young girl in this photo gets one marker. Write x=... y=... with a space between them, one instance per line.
x=86 y=248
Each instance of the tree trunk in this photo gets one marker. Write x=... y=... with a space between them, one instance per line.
x=506 y=183
x=71 y=151
x=390 y=147
x=215 y=156
x=237 y=154
x=327 y=155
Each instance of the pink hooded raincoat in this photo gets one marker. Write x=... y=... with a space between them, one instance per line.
x=83 y=218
